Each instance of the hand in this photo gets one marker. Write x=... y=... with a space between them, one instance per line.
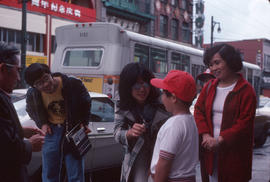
x=210 y=143
x=136 y=130
x=86 y=128
x=37 y=141
x=30 y=131
x=46 y=129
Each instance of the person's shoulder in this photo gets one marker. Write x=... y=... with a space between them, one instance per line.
x=31 y=91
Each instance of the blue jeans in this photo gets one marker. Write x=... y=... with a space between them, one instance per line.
x=52 y=157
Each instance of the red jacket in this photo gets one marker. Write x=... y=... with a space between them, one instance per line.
x=235 y=153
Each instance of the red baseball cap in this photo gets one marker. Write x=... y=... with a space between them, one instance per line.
x=180 y=83
x=205 y=75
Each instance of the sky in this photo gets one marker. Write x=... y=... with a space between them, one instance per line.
x=239 y=19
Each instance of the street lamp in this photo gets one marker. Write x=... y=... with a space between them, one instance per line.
x=213 y=23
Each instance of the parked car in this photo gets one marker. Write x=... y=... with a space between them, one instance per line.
x=263 y=100
x=261 y=122
x=105 y=152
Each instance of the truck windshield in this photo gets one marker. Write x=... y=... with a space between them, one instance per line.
x=83 y=57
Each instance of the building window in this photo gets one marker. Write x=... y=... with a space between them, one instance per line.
x=266 y=65
x=186 y=33
x=34 y=40
x=184 y=4
x=174 y=29
x=174 y=3
x=163 y=26
x=164 y=1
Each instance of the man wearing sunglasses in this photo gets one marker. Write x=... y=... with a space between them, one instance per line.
x=57 y=103
x=15 y=151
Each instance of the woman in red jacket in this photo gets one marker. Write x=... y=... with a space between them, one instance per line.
x=224 y=114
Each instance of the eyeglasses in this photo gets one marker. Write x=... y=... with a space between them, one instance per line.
x=138 y=86
x=40 y=83
x=12 y=66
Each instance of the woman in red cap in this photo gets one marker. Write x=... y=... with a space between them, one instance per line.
x=224 y=115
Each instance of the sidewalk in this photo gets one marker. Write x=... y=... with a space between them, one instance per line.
x=260 y=166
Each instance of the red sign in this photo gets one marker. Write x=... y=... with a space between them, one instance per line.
x=56 y=8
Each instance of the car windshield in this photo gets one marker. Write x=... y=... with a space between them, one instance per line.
x=264 y=101
x=20 y=108
x=267 y=104
x=16 y=97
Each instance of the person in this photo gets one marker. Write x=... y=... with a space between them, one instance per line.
x=57 y=103
x=205 y=76
x=138 y=117
x=224 y=114
x=176 y=151
x=16 y=152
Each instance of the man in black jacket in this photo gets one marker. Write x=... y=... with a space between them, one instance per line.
x=16 y=152
x=57 y=103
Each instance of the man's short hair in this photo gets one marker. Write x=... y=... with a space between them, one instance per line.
x=34 y=72
x=8 y=53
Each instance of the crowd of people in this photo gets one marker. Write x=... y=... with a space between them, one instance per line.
x=163 y=141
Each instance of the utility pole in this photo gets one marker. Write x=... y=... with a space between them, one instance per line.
x=213 y=23
x=23 y=42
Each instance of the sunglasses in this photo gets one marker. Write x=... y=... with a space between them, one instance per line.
x=12 y=66
x=138 y=86
x=39 y=83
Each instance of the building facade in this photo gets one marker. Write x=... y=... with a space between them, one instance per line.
x=43 y=17
x=134 y=15
x=173 y=20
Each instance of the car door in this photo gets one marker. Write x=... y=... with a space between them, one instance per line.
x=105 y=152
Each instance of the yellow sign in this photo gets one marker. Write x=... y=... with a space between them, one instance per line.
x=92 y=84
x=35 y=59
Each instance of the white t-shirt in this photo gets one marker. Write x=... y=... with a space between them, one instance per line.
x=218 y=104
x=177 y=140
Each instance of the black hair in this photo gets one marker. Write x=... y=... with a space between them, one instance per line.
x=34 y=72
x=228 y=53
x=128 y=77
x=8 y=53
x=169 y=94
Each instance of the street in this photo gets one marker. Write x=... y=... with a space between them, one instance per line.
x=260 y=166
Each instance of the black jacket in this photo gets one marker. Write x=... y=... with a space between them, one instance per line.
x=15 y=152
x=76 y=98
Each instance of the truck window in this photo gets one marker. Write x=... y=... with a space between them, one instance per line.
x=83 y=57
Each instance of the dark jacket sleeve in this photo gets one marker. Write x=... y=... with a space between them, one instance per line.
x=35 y=108
x=14 y=149
x=81 y=102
